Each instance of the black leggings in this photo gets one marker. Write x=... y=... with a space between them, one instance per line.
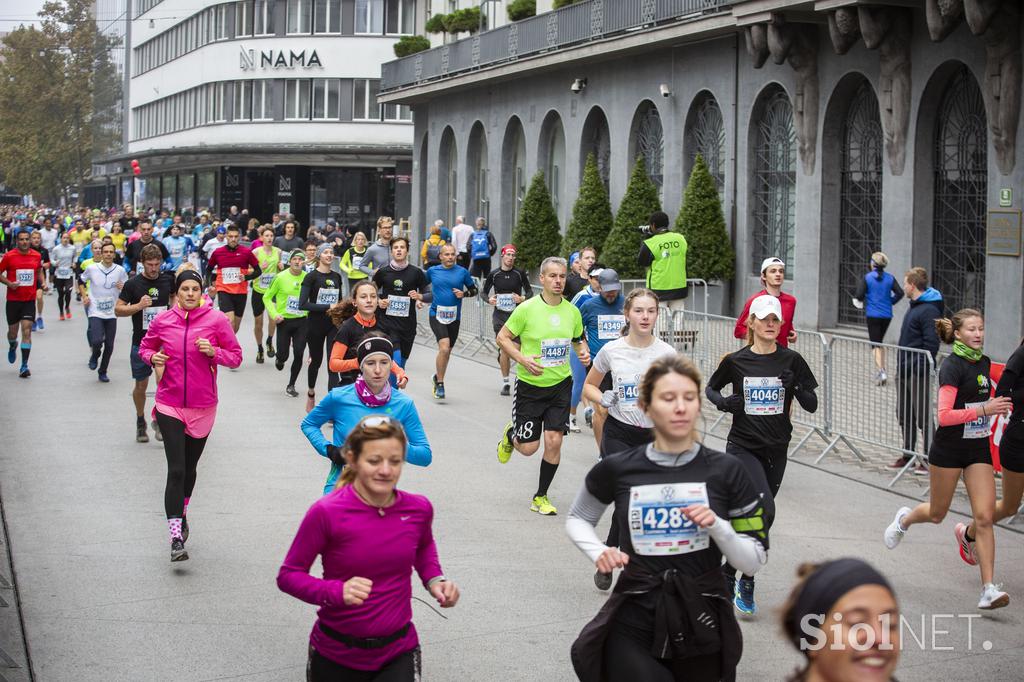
x=183 y=453
x=101 y=338
x=404 y=668
x=293 y=330
x=320 y=332
x=627 y=656
x=766 y=467
x=63 y=287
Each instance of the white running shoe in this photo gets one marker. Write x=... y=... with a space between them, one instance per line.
x=573 y=426
x=992 y=597
x=895 y=532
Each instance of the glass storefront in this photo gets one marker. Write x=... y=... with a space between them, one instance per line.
x=206 y=191
x=352 y=196
x=169 y=193
x=187 y=196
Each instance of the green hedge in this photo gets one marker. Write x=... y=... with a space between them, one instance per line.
x=710 y=253
x=537 y=235
x=591 y=214
x=623 y=243
x=408 y=45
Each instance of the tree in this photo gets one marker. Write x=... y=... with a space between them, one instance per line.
x=463 y=20
x=591 y=214
x=537 y=235
x=623 y=242
x=709 y=253
x=521 y=9
x=435 y=24
x=559 y=4
x=408 y=45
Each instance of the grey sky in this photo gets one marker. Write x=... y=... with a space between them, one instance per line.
x=16 y=12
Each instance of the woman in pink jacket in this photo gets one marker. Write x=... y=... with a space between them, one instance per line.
x=185 y=344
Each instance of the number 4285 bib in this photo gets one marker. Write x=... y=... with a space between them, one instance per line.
x=657 y=525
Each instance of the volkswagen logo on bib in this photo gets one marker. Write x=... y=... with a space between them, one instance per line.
x=668 y=493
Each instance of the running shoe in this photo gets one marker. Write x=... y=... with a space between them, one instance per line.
x=156 y=431
x=278 y=364
x=743 y=598
x=588 y=416
x=12 y=353
x=505 y=390
x=24 y=373
x=439 y=390
x=35 y=325
x=184 y=529
x=140 y=433
x=542 y=505
x=270 y=348
x=573 y=426
x=730 y=583
x=882 y=377
x=895 y=532
x=290 y=390
x=69 y=314
x=603 y=581
x=505 y=444
x=62 y=317
x=966 y=547
x=104 y=378
x=39 y=322
x=259 y=357
x=94 y=362
x=993 y=597
x=178 y=551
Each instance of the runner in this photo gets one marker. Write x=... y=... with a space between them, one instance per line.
x=36 y=242
x=773 y=274
x=461 y=233
x=449 y=284
x=379 y=253
x=370 y=394
x=309 y=248
x=20 y=270
x=101 y=283
x=482 y=247
x=547 y=326
x=369 y=536
x=320 y=292
x=269 y=258
x=288 y=241
x=178 y=246
x=765 y=377
x=603 y=321
x=355 y=319
x=185 y=344
x=352 y=260
x=961 y=448
x=236 y=266
x=679 y=507
x=63 y=256
x=143 y=297
x=511 y=287
x=579 y=278
x=282 y=304
x=134 y=249
x=880 y=292
x=401 y=286
x=579 y=372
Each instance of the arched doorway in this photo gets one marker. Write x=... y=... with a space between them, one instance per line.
x=648 y=140
x=552 y=156
x=477 y=175
x=774 y=180
x=448 y=178
x=705 y=135
x=596 y=140
x=513 y=174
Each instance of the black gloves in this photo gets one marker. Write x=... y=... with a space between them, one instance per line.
x=334 y=454
x=788 y=379
x=733 y=403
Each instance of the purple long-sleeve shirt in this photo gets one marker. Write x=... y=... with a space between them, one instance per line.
x=353 y=539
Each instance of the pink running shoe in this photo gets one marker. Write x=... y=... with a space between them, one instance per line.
x=966 y=548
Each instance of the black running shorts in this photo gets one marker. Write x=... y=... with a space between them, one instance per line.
x=231 y=303
x=540 y=408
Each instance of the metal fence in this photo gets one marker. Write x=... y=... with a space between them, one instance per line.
x=575 y=24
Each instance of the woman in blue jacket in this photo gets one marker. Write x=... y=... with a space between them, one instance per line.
x=370 y=394
x=877 y=292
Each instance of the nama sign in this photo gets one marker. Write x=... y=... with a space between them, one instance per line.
x=277 y=59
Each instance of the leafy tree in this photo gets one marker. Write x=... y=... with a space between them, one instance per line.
x=591 y=214
x=558 y=4
x=408 y=45
x=521 y=9
x=623 y=242
x=709 y=253
x=435 y=24
x=462 y=20
x=537 y=235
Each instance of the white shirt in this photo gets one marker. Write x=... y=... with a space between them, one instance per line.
x=49 y=237
x=627 y=366
x=103 y=291
x=460 y=237
x=213 y=245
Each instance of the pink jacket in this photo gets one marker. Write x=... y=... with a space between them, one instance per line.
x=190 y=376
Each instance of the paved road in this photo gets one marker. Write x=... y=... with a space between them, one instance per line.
x=103 y=602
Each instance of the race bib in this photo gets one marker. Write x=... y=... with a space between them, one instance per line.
x=980 y=427
x=103 y=305
x=763 y=396
x=177 y=251
x=506 y=303
x=292 y=307
x=266 y=279
x=327 y=297
x=150 y=313
x=628 y=389
x=357 y=261
x=657 y=525
x=554 y=352
x=398 y=306
x=446 y=314
x=231 y=275
x=609 y=327
x=63 y=272
x=25 y=276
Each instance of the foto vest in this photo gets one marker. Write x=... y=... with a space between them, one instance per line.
x=668 y=270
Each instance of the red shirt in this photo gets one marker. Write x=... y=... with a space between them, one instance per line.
x=788 y=311
x=235 y=264
x=22 y=268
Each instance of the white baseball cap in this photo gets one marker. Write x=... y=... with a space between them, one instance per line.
x=768 y=262
x=765 y=305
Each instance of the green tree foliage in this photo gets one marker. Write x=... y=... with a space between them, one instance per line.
x=463 y=20
x=559 y=4
x=537 y=235
x=591 y=214
x=435 y=24
x=521 y=9
x=623 y=242
x=408 y=45
x=710 y=253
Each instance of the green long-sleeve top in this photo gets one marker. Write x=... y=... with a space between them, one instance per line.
x=282 y=298
x=350 y=263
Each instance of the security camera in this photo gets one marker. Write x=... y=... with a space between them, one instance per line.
x=664 y=90
x=578 y=85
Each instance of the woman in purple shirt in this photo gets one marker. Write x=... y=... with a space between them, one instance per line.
x=370 y=536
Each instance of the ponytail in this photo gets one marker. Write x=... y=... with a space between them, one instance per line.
x=879 y=261
x=946 y=327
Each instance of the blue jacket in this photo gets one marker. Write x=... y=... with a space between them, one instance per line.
x=880 y=294
x=918 y=330
x=343 y=407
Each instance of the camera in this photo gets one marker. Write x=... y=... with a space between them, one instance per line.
x=645 y=230
x=665 y=90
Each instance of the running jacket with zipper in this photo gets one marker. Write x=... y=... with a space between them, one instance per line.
x=190 y=376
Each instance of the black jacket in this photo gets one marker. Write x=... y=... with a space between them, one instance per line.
x=918 y=330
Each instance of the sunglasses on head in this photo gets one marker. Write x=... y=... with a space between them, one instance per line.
x=374 y=421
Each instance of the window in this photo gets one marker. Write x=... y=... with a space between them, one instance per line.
x=369 y=16
x=263 y=17
x=296 y=99
x=327 y=16
x=243 y=18
x=774 y=182
x=364 y=100
x=220 y=22
x=326 y=95
x=216 y=103
x=299 y=15
x=400 y=16
x=243 y=101
x=397 y=112
x=262 y=107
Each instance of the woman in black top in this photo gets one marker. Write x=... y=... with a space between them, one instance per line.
x=400 y=286
x=765 y=377
x=961 y=448
x=355 y=318
x=321 y=291
x=679 y=507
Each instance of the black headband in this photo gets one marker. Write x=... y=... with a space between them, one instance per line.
x=186 y=276
x=825 y=587
x=372 y=345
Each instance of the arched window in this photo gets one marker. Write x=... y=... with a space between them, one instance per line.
x=774 y=181
x=477 y=174
x=960 y=194
x=596 y=140
x=705 y=135
x=448 y=183
x=649 y=142
x=513 y=175
x=860 y=196
x=552 y=152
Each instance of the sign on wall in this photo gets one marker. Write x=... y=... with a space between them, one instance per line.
x=251 y=60
x=1003 y=233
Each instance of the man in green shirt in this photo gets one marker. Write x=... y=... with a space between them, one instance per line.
x=546 y=326
x=282 y=303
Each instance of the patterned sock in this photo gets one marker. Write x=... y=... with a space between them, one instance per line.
x=174 y=526
x=185 y=512
x=26 y=348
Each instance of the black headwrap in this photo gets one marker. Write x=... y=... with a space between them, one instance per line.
x=371 y=345
x=186 y=276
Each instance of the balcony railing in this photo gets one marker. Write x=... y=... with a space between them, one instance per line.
x=575 y=24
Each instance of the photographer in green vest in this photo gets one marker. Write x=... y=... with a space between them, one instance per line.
x=663 y=255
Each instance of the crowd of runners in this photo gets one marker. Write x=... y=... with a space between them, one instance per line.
x=690 y=526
